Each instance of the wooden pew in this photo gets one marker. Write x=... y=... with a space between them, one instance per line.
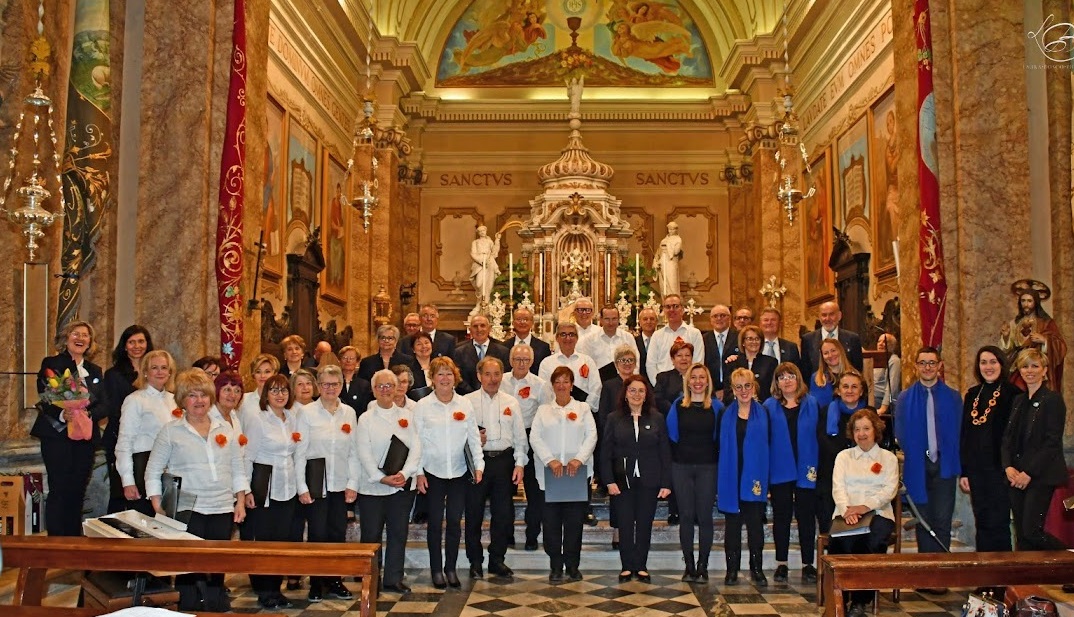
x=33 y=555
x=918 y=570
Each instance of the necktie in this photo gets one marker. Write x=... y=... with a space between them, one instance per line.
x=930 y=420
x=770 y=348
x=719 y=347
x=831 y=334
x=645 y=341
x=480 y=351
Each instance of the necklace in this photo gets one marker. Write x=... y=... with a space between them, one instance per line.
x=978 y=421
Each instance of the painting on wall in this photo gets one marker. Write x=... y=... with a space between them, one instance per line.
x=816 y=232
x=541 y=42
x=272 y=193
x=852 y=149
x=301 y=179
x=335 y=236
x=884 y=148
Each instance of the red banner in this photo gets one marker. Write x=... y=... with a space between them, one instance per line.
x=932 y=283
x=229 y=225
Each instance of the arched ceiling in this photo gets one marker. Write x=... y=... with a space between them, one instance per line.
x=427 y=23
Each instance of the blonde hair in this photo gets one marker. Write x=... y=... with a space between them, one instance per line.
x=743 y=372
x=143 y=369
x=824 y=375
x=65 y=333
x=193 y=380
x=706 y=402
x=1031 y=354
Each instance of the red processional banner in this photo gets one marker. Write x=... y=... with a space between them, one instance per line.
x=229 y=224
x=932 y=282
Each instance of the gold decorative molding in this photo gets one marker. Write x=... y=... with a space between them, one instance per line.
x=715 y=108
x=711 y=217
x=764 y=51
x=437 y=253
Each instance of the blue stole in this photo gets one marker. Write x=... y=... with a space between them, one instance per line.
x=839 y=408
x=910 y=420
x=751 y=482
x=672 y=420
x=805 y=468
x=822 y=394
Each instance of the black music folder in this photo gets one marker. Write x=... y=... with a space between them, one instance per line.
x=396 y=457
x=566 y=488
x=317 y=477
x=260 y=481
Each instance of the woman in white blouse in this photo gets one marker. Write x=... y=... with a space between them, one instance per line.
x=261 y=368
x=562 y=438
x=405 y=378
x=446 y=425
x=327 y=426
x=228 y=397
x=384 y=501
x=865 y=480
x=304 y=388
x=199 y=447
x=304 y=385
x=144 y=412
x=272 y=437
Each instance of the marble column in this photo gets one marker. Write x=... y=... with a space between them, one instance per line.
x=743 y=256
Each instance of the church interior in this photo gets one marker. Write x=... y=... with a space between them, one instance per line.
x=378 y=135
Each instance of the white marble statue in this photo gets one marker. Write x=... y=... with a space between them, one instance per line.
x=666 y=261
x=483 y=268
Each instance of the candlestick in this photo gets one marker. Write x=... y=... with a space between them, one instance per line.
x=510 y=275
x=607 y=277
x=637 y=276
x=542 y=277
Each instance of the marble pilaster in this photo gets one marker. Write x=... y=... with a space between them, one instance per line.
x=740 y=206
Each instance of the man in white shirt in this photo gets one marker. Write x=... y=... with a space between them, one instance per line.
x=601 y=345
x=505 y=449
x=522 y=324
x=531 y=392
x=658 y=358
x=583 y=316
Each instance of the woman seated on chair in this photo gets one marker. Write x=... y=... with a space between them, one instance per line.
x=865 y=480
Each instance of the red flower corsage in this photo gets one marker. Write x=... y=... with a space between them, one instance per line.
x=243 y=440
x=458 y=415
x=346 y=428
x=178 y=413
x=403 y=423
x=507 y=412
x=584 y=371
x=524 y=392
x=572 y=416
x=296 y=437
x=221 y=440
x=876 y=468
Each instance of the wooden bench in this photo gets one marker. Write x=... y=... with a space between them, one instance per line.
x=33 y=555
x=66 y=611
x=917 y=570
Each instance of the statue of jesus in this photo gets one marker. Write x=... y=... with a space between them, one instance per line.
x=666 y=261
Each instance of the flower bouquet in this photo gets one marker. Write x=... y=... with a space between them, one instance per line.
x=68 y=392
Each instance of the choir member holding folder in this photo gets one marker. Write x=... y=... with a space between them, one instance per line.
x=326 y=469
x=563 y=436
x=389 y=456
x=144 y=413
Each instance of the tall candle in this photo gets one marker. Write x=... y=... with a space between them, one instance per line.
x=511 y=275
x=542 y=277
x=608 y=277
x=637 y=277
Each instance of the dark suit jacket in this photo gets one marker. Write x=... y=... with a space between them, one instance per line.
x=465 y=358
x=357 y=393
x=443 y=344
x=713 y=359
x=43 y=427
x=788 y=352
x=307 y=363
x=668 y=388
x=811 y=350
x=764 y=370
x=1041 y=456
x=651 y=450
x=541 y=350
x=610 y=391
x=371 y=364
x=643 y=354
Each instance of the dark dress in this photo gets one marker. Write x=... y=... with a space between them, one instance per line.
x=118 y=384
x=986 y=411
x=764 y=370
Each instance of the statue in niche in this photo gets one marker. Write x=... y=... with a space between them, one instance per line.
x=666 y=261
x=574 y=92
x=1032 y=326
x=483 y=268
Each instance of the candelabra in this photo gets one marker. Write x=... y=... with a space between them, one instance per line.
x=790 y=190
x=364 y=133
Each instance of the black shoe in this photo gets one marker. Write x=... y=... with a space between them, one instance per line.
x=294 y=583
x=673 y=519
x=475 y=571
x=439 y=581
x=555 y=577
x=268 y=602
x=573 y=574
x=531 y=546
x=731 y=578
x=856 y=610
x=282 y=601
x=644 y=576
x=500 y=569
x=314 y=596
x=758 y=577
x=590 y=519
x=809 y=573
x=399 y=588
x=702 y=571
x=337 y=591
x=690 y=574
x=781 y=574
x=625 y=576
x=511 y=542
x=452 y=579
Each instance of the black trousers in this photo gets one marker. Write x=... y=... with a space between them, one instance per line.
x=788 y=500
x=876 y=541
x=534 y=499
x=391 y=512
x=271 y=524
x=563 y=533
x=1029 y=507
x=68 y=464
x=496 y=488
x=825 y=506
x=751 y=513
x=990 y=498
x=635 y=510
x=450 y=495
x=207 y=527
x=939 y=511
x=327 y=520
x=696 y=484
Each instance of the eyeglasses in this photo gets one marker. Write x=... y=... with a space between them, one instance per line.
x=330 y=384
x=385 y=338
x=567 y=335
x=583 y=310
x=279 y=390
x=213 y=374
x=626 y=361
x=786 y=377
x=927 y=363
x=384 y=386
x=635 y=391
x=742 y=387
x=672 y=307
x=751 y=339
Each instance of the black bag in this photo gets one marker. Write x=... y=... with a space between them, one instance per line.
x=202 y=597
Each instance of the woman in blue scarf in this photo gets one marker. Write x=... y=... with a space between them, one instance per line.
x=742 y=477
x=793 y=413
x=833 y=362
x=832 y=435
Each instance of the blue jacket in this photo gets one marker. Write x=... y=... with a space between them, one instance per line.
x=910 y=430
x=751 y=482
x=805 y=468
x=673 y=420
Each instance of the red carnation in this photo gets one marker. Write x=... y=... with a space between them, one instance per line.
x=584 y=371
x=243 y=440
x=507 y=412
x=296 y=437
x=524 y=392
x=876 y=468
x=221 y=440
x=458 y=415
x=572 y=416
x=346 y=428
x=403 y=423
x=178 y=413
